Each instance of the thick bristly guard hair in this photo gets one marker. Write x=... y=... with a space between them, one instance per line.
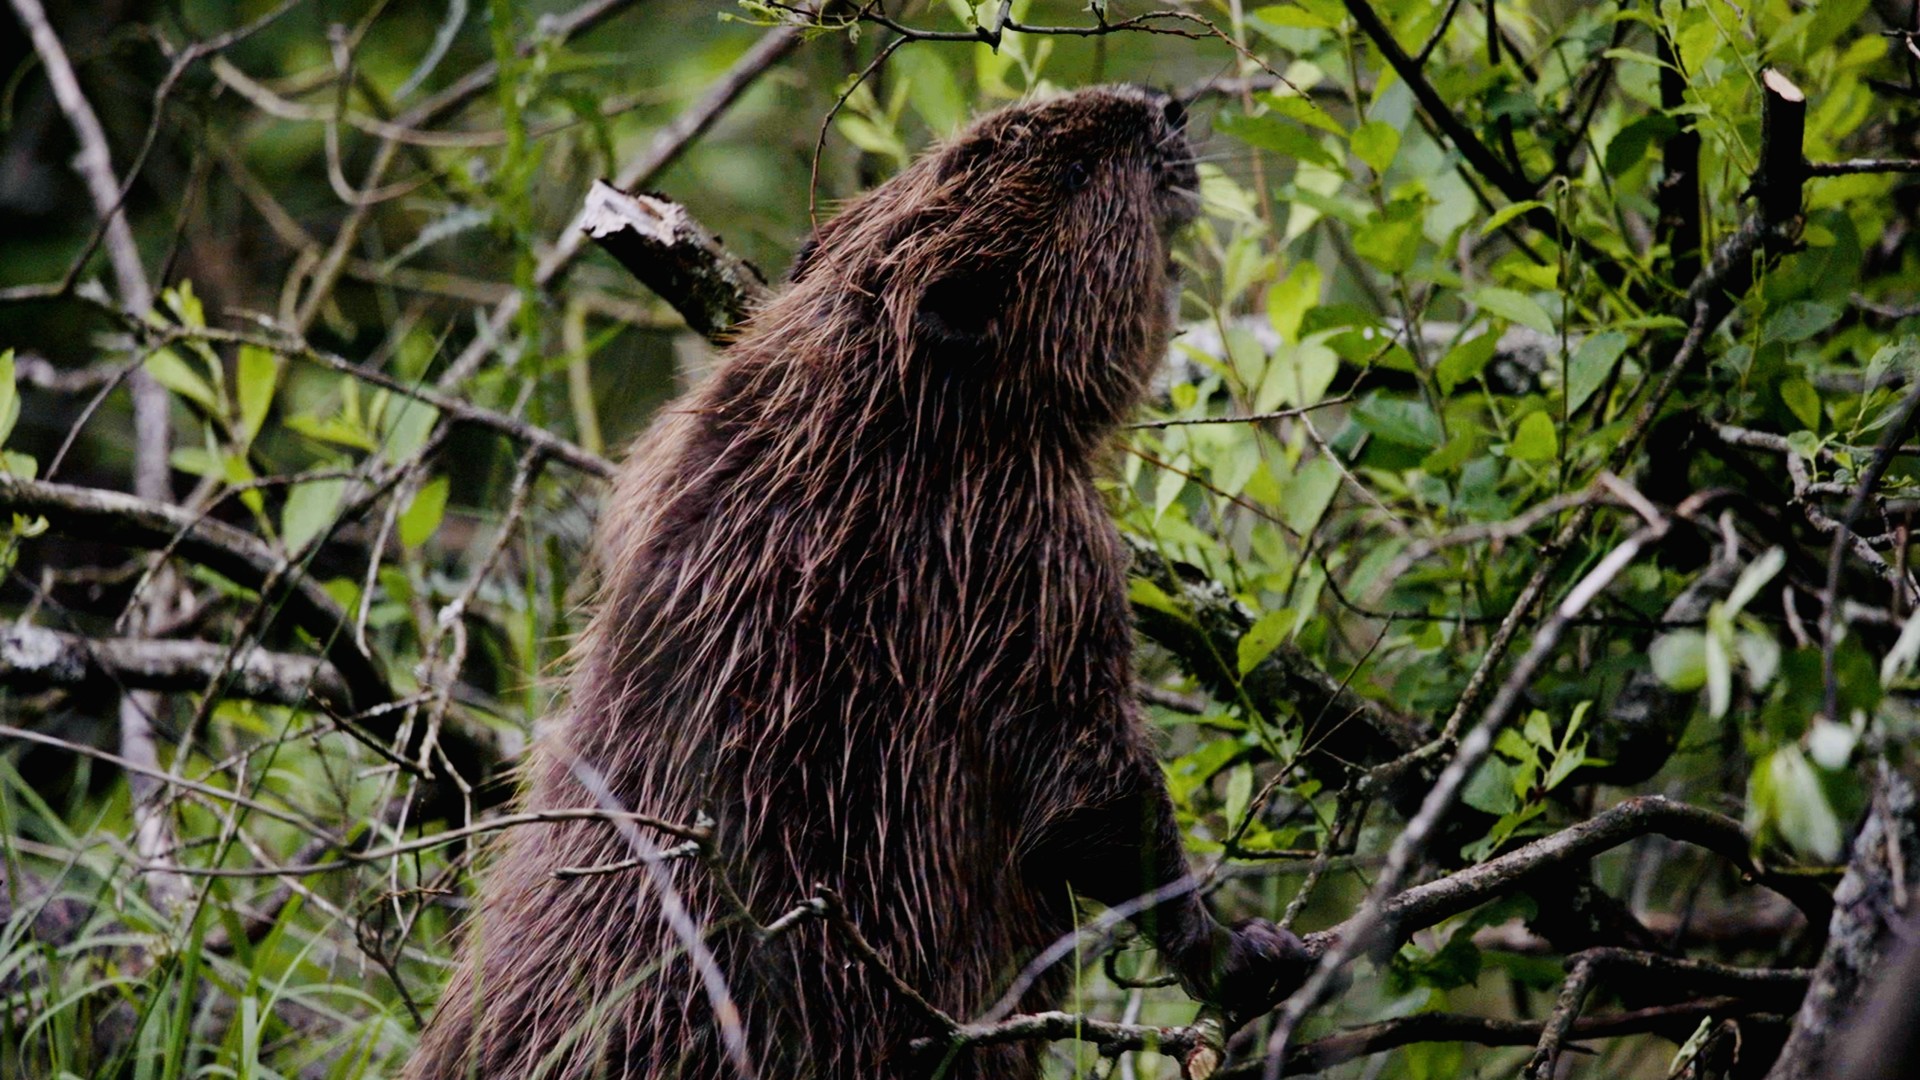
x=863 y=610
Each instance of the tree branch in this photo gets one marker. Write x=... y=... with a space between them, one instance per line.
x=1651 y=815
x=239 y=556
x=661 y=244
x=1343 y=728
x=34 y=658
x=1771 y=989
x=1516 y=188
x=1854 y=166
x=1870 y=917
x=1358 y=1042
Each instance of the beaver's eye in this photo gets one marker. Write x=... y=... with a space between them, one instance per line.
x=1078 y=175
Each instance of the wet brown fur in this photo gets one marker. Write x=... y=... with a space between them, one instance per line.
x=863 y=607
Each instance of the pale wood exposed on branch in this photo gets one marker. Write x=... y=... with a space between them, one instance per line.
x=35 y=658
x=661 y=244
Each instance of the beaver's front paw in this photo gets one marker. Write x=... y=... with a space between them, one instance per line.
x=1246 y=968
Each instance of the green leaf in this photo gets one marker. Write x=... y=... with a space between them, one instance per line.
x=1454 y=965
x=309 y=511
x=871 y=137
x=1799 y=321
x=1270 y=132
x=407 y=427
x=1629 y=145
x=1490 y=790
x=1538 y=730
x=1465 y=361
x=423 y=514
x=1830 y=745
x=1512 y=306
x=1590 y=364
x=170 y=371
x=1830 y=19
x=1900 y=659
x=1680 y=659
x=1719 y=664
x=932 y=90
x=1144 y=593
x=1753 y=579
x=1292 y=17
x=1290 y=298
x=1263 y=637
x=1303 y=110
x=1515 y=745
x=1634 y=56
x=185 y=304
x=1297 y=375
x=1239 y=792
x=1186 y=772
x=195 y=461
x=258 y=374
x=338 y=430
x=1902 y=356
x=1535 y=439
x=1391 y=239
x=9 y=396
x=1802 y=400
x=1375 y=143
x=1401 y=421
x=1795 y=802
x=1759 y=655
x=1308 y=493
x=1508 y=213
x=1168 y=485
x=1564 y=765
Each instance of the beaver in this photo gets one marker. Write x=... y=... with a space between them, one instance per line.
x=863 y=615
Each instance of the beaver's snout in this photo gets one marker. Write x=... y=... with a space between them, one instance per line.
x=1176 y=179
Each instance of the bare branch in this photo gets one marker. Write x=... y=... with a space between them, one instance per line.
x=669 y=252
x=1772 y=989
x=1868 y=921
x=455 y=408
x=1855 y=166
x=1516 y=188
x=237 y=555
x=1651 y=815
x=1387 y=1035
x=95 y=160
x=1203 y=633
x=34 y=658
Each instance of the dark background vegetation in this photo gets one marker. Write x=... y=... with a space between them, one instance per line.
x=1530 y=620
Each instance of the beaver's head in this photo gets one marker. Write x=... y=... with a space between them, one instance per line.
x=1022 y=267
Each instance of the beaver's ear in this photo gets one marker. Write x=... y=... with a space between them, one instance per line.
x=965 y=154
x=961 y=307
